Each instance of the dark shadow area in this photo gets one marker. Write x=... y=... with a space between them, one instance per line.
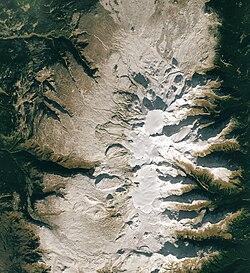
x=185 y=249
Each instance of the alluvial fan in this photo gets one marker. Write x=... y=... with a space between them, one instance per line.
x=126 y=136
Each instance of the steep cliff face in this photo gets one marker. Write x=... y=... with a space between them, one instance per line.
x=119 y=116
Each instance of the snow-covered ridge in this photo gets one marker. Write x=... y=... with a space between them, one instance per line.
x=146 y=120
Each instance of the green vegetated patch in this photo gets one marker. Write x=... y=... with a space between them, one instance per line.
x=19 y=246
x=233 y=69
x=234 y=254
x=34 y=34
x=23 y=17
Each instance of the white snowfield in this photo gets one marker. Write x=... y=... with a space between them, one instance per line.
x=136 y=120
